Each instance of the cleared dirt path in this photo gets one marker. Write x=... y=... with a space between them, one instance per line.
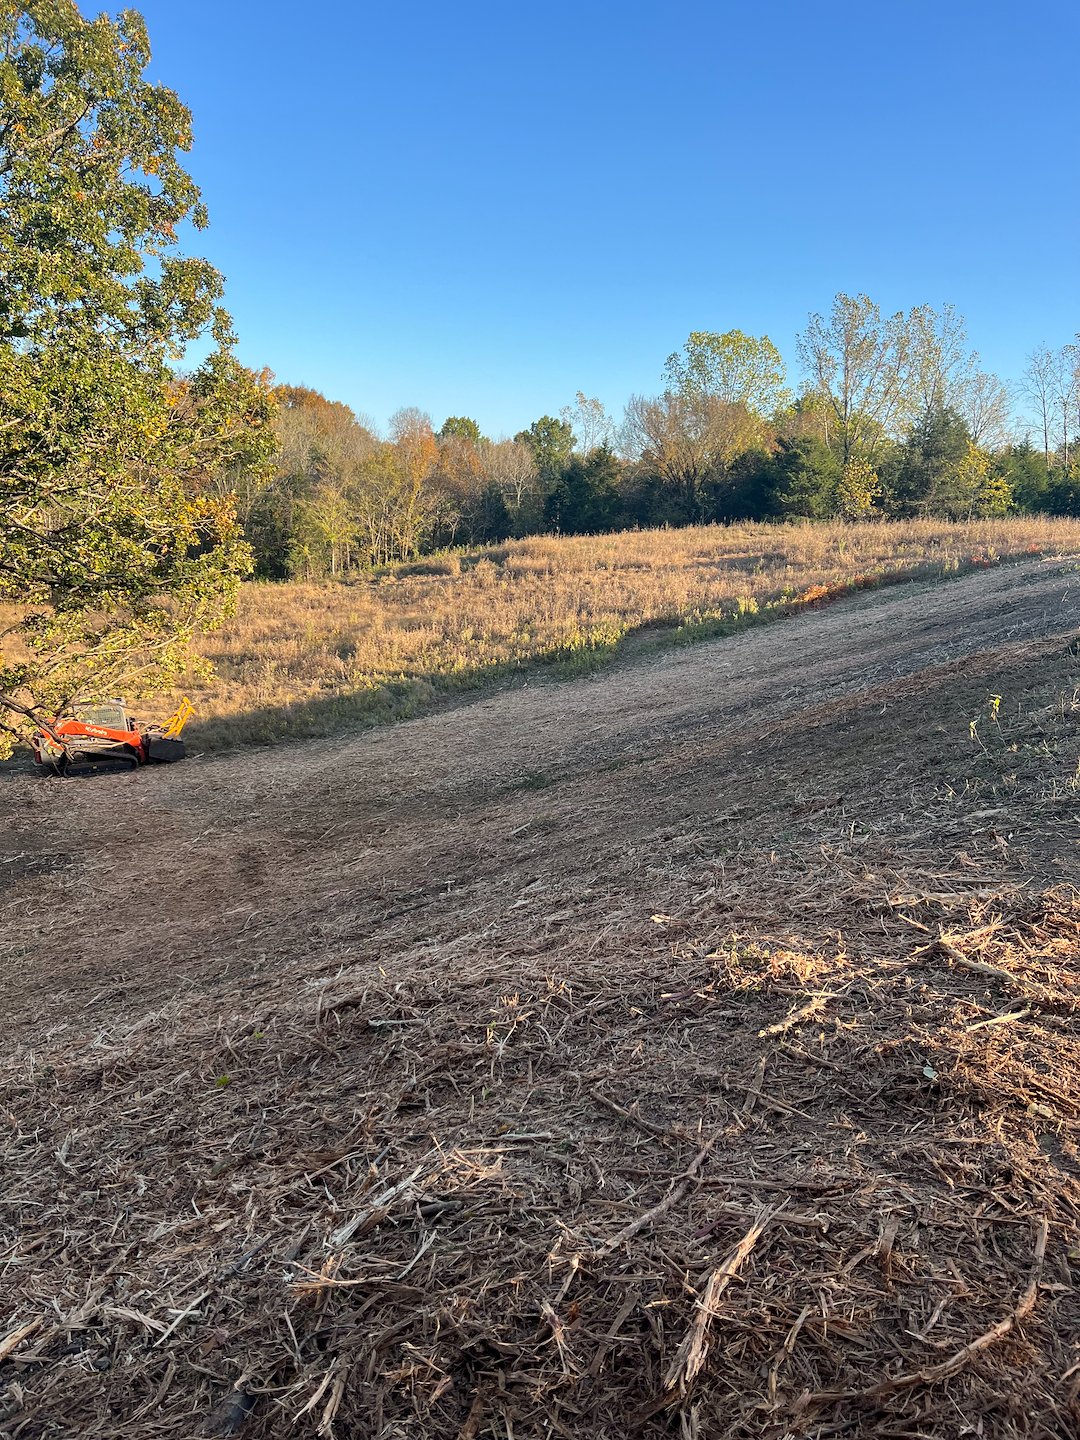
x=120 y=892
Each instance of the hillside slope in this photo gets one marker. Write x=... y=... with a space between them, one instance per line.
x=438 y=1080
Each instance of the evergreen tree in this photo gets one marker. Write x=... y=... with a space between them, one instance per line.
x=926 y=476
x=585 y=498
x=488 y=520
x=1024 y=469
x=802 y=479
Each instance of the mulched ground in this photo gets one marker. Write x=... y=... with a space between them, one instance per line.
x=793 y=1154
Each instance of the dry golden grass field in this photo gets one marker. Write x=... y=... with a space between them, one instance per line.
x=311 y=659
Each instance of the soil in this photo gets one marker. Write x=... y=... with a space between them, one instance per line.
x=811 y=801
x=366 y=845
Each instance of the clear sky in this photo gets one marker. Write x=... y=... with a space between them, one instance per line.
x=480 y=208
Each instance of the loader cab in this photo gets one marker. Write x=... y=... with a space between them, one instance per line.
x=109 y=715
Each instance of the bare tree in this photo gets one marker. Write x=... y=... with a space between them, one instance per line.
x=688 y=439
x=939 y=358
x=663 y=434
x=590 y=422
x=1040 y=386
x=512 y=467
x=985 y=405
x=861 y=364
x=1066 y=383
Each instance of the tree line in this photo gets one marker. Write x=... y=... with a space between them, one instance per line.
x=894 y=417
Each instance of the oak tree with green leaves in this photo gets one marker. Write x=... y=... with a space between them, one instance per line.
x=551 y=442
x=735 y=368
x=461 y=427
x=118 y=540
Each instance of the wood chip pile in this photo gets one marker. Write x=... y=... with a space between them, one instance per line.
x=697 y=1182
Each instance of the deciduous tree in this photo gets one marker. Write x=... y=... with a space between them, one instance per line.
x=590 y=423
x=511 y=467
x=735 y=368
x=414 y=441
x=1066 y=382
x=985 y=405
x=688 y=441
x=860 y=363
x=1040 y=386
x=857 y=489
x=115 y=543
x=551 y=442
x=985 y=489
x=939 y=358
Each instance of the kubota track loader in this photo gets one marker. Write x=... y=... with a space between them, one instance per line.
x=104 y=736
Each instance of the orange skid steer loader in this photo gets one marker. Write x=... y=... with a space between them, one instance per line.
x=104 y=736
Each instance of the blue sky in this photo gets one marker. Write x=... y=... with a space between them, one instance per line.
x=481 y=208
